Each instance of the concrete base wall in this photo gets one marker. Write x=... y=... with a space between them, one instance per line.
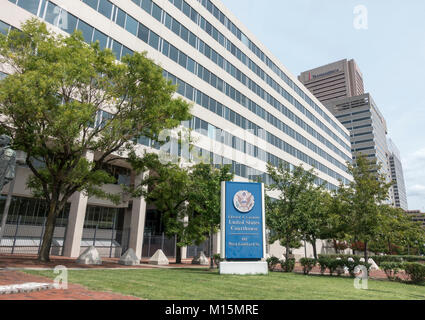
x=243 y=268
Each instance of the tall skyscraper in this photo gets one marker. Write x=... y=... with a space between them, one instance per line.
x=339 y=86
x=367 y=126
x=399 y=187
x=337 y=80
x=248 y=109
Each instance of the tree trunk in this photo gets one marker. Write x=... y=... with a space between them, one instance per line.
x=335 y=246
x=178 y=251
x=211 y=249
x=366 y=257
x=44 y=254
x=389 y=247
x=314 y=248
x=287 y=250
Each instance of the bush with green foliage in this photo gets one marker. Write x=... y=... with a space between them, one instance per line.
x=397 y=258
x=338 y=266
x=381 y=259
x=391 y=269
x=288 y=265
x=272 y=262
x=324 y=263
x=217 y=259
x=351 y=264
x=415 y=271
x=308 y=264
x=341 y=255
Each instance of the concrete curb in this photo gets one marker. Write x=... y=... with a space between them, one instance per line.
x=25 y=287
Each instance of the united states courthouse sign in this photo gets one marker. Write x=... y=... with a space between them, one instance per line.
x=242 y=224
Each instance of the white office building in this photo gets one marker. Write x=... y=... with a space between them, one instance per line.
x=248 y=110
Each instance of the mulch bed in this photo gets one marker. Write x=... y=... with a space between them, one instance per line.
x=30 y=261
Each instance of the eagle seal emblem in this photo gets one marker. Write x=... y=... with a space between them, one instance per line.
x=243 y=201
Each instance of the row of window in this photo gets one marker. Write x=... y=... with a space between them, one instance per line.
x=363 y=149
x=155 y=41
x=361 y=134
x=199 y=154
x=352 y=114
x=211 y=104
x=214 y=106
x=244 y=39
x=212 y=54
x=300 y=156
x=55 y=15
x=68 y=22
x=362 y=141
x=31 y=211
x=173 y=147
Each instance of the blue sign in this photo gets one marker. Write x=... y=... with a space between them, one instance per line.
x=243 y=221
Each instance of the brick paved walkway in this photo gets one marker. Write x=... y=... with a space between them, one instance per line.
x=74 y=291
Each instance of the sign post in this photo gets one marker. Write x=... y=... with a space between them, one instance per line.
x=243 y=237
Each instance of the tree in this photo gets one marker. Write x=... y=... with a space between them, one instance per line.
x=313 y=211
x=187 y=197
x=50 y=103
x=363 y=198
x=283 y=218
x=337 y=224
x=205 y=203
x=168 y=187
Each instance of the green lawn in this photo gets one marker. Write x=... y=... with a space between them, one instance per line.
x=200 y=284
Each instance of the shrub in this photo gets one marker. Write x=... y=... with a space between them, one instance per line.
x=308 y=264
x=413 y=258
x=324 y=263
x=272 y=262
x=333 y=265
x=391 y=269
x=380 y=259
x=351 y=264
x=217 y=259
x=397 y=258
x=416 y=271
x=338 y=264
x=288 y=265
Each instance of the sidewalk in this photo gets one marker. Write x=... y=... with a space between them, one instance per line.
x=74 y=291
x=10 y=274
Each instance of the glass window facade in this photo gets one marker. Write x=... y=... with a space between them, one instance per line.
x=126 y=21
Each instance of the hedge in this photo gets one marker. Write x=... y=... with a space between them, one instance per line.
x=416 y=271
x=308 y=264
x=379 y=259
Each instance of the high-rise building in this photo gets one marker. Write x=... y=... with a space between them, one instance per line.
x=417 y=216
x=339 y=86
x=337 y=80
x=368 y=129
x=248 y=108
x=399 y=187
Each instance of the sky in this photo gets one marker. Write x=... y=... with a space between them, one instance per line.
x=305 y=34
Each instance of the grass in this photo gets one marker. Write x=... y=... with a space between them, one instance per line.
x=201 y=284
